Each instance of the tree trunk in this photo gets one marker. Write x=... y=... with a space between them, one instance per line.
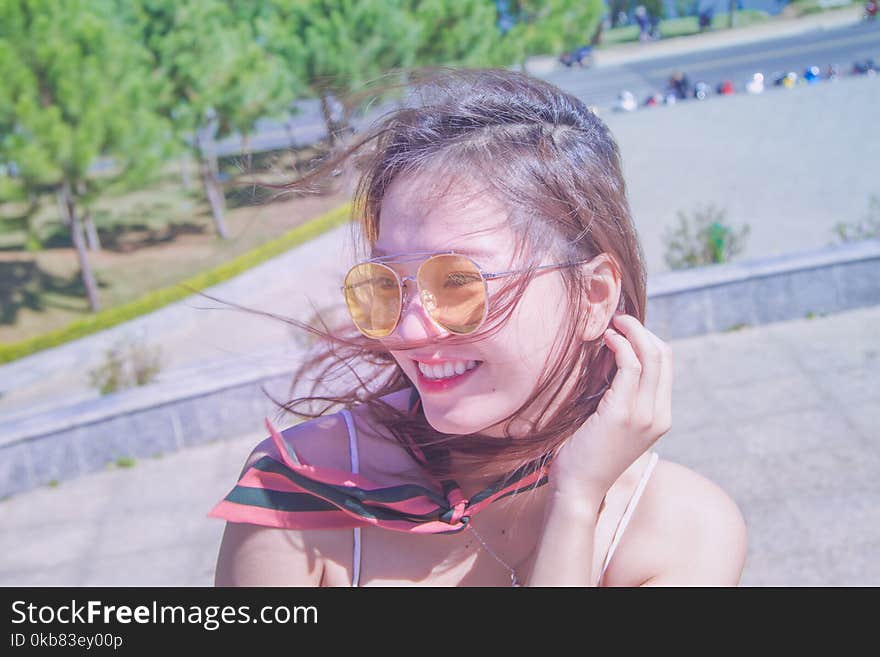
x=62 y=208
x=334 y=127
x=328 y=120
x=208 y=170
x=596 y=39
x=94 y=241
x=248 y=156
x=289 y=130
x=76 y=233
x=731 y=16
x=215 y=198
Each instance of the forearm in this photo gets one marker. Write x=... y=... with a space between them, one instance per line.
x=565 y=550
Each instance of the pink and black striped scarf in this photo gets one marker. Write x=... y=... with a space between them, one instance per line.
x=292 y=494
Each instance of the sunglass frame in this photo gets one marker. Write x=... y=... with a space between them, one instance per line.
x=403 y=291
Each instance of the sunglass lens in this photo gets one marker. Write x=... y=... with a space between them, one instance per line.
x=453 y=292
x=372 y=295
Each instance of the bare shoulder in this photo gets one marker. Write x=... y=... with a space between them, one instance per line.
x=325 y=441
x=686 y=531
x=320 y=441
x=254 y=555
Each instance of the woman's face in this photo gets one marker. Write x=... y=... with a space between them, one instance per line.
x=421 y=214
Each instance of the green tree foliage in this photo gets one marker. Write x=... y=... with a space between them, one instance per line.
x=552 y=26
x=337 y=46
x=219 y=79
x=74 y=87
x=687 y=7
x=656 y=8
x=460 y=33
x=93 y=92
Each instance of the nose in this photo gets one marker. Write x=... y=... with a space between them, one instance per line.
x=415 y=324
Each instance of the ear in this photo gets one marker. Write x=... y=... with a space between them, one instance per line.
x=603 y=296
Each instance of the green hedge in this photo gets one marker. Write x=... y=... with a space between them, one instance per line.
x=162 y=297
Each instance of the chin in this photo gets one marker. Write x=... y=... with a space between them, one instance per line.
x=461 y=419
x=448 y=421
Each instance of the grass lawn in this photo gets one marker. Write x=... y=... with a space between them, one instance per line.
x=152 y=238
x=675 y=27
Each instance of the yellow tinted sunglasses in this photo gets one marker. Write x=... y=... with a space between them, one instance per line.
x=451 y=286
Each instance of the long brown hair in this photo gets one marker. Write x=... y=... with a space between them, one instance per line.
x=556 y=167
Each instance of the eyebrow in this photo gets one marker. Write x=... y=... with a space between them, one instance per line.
x=467 y=251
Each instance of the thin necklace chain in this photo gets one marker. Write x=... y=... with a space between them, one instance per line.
x=513 y=580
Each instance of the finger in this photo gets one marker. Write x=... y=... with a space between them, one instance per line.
x=663 y=402
x=650 y=357
x=625 y=386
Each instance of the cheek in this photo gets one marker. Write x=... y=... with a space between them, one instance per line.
x=539 y=316
x=534 y=325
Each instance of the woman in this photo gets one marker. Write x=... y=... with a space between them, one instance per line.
x=504 y=435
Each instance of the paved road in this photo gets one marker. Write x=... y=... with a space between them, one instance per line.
x=840 y=46
x=784 y=417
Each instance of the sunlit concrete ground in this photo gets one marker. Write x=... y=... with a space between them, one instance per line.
x=783 y=416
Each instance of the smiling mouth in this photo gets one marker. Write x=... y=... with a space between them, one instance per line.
x=447 y=372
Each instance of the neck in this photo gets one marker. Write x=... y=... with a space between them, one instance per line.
x=508 y=511
x=471 y=485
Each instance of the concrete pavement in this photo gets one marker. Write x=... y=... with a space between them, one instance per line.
x=783 y=416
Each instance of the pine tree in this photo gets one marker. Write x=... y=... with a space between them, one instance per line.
x=74 y=86
x=219 y=78
x=336 y=46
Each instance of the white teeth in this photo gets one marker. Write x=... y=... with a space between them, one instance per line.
x=447 y=369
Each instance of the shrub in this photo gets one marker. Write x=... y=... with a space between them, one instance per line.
x=109 y=376
x=145 y=364
x=709 y=241
x=867 y=229
x=125 y=368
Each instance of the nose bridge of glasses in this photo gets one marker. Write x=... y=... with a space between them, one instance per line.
x=424 y=319
x=405 y=288
x=409 y=292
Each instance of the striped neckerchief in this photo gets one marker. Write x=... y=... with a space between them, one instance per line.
x=292 y=494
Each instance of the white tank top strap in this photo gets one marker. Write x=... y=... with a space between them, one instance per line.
x=353 y=452
x=628 y=512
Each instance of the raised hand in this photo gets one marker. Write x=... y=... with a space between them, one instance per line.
x=632 y=414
